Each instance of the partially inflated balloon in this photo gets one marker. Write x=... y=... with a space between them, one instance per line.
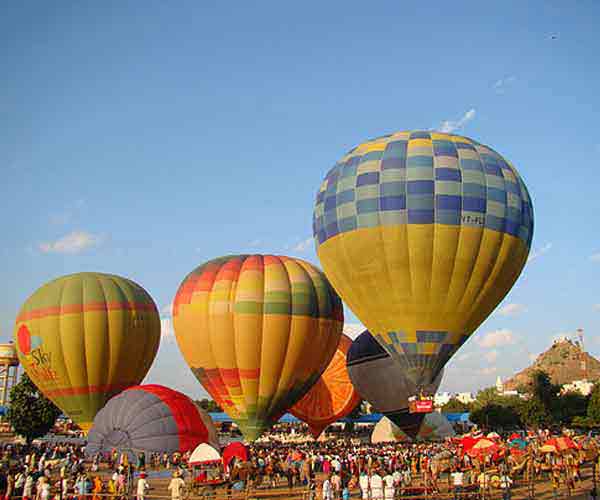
x=422 y=234
x=332 y=397
x=153 y=419
x=382 y=381
x=435 y=427
x=257 y=331
x=85 y=337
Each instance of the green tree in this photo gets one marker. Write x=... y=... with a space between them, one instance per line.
x=455 y=406
x=486 y=397
x=209 y=405
x=30 y=413
x=570 y=406
x=593 y=409
x=535 y=414
x=542 y=388
x=495 y=416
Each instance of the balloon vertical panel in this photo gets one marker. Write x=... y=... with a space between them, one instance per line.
x=422 y=234
x=83 y=338
x=257 y=331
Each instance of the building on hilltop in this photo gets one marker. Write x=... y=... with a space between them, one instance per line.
x=582 y=387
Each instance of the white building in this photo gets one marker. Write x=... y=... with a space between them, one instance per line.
x=465 y=397
x=582 y=387
x=441 y=398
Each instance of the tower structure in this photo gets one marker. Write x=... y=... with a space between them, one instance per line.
x=9 y=371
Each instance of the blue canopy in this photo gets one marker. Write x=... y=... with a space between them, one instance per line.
x=457 y=417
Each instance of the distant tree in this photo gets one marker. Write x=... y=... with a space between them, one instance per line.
x=209 y=405
x=542 y=388
x=570 y=406
x=455 y=406
x=534 y=413
x=30 y=413
x=486 y=397
x=593 y=409
x=495 y=416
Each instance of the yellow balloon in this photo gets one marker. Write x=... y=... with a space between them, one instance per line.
x=422 y=234
x=85 y=337
x=257 y=331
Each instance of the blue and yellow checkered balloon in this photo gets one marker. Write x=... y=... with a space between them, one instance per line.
x=422 y=234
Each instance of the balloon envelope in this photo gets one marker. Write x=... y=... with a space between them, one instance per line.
x=434 y=427
x=257 y=331
x=382 y=381
x=85 y=337
x=332 y=397
x=422 y=234
x=150 y=418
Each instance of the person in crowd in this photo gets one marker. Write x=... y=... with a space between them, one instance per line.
x=142 y=486
x=176 y=486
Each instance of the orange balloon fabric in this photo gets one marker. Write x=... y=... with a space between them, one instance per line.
x=332 y=397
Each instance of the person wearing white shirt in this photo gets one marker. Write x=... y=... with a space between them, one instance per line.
x=327 y=489
x=142 y=486
x=389 y=490
x=363 y=482
x=376 y=483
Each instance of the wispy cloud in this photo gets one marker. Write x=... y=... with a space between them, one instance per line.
x=536 y=253
x=167 y=331
x=72 y=243
x=448 y=126
x=596 y=307
x=255 y=243
x=500 y=86
x=167 y=310
x=491 y=356
x=488 y=370
x=595 y=257
x=532 y=357
x=464 y=356
x=497 y=338
x=303 y=246
x=512 y=309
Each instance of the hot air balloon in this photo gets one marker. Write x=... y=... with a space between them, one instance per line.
x=381 y=380
x=435 y=427
x=85 y=337
x=332 y=397
x=422 y=234
x=257 y=332
x=150 y=418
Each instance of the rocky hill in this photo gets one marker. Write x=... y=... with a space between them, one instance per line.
x=564 y=362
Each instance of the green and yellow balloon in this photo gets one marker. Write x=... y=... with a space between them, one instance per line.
x=85 y=337
x=422 y=234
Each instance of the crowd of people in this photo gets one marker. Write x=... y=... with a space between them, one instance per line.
x=331 y=469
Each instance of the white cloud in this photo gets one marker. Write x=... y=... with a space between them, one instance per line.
x=304 y=245
x=512 y=309
x=596 y=307
x=448 y=126
x=497 y=338
x=501 y=85
x=72 y=243
x=532 y=357
x=534 y=254
x=353 y=330
x=491 y=356
x=464 y=356
x=595 y=257
x=488 y=370
x=255 y=242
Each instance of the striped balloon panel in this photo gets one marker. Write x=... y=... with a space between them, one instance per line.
x=257 y=331
x=85 y=337
x=332 y=397
x=422 y=234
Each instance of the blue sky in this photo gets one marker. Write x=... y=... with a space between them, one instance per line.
x=143 y=138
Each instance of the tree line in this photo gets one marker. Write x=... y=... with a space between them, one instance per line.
x=542 y=406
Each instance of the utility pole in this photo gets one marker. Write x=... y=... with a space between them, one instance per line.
x=582 y=353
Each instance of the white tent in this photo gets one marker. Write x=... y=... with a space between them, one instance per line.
x=204 y=453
